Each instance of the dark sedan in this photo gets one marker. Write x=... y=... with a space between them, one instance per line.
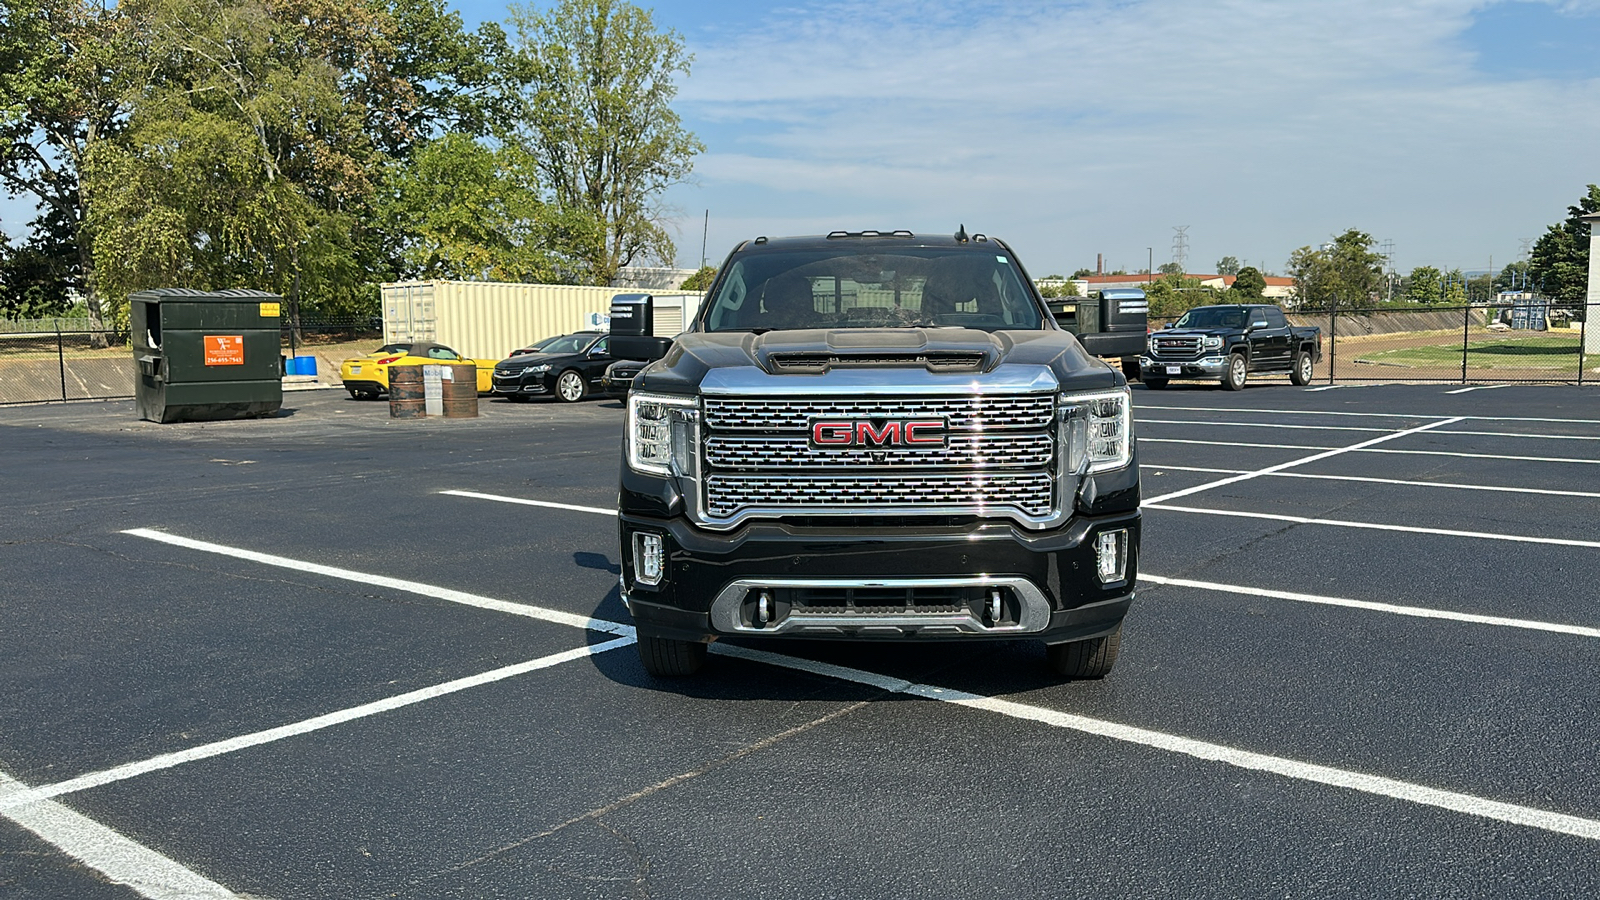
x=568 y=368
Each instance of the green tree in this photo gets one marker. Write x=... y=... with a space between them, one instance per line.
x=1346 y=272
x=1425 y=284
x=1559 y=268
x=591 y=88
x=1173 y=293
x=466 y=211
x=1229 y=265
x=1513 y=277
x=1248 y=284
x=1082 y=273
x=700 y=280
x=1170 y=268
x=1059 y=288
x=247 y=160
x=1455 y=288
x=63 y=82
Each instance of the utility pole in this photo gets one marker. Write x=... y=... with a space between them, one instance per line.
x=706 y=230
x=1149 y=267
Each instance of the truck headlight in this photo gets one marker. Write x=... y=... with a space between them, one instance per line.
x=1104 y=428
x=663 y=434
x=1211 y=342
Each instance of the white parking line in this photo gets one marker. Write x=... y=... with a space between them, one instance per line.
x=1262 y=425
x=306 y=726
x=1147 y=440
x=1480 y=387
x=1358 y=415
x=414 y=587
x=1300 y=462
x=1469 y=804
x=1280 y=425
x=518 y=500
x=113 y=855
x=1394 y=481
x=1421 y=612
x=1294 y=769
x=1374 y=526
x=1548 y=459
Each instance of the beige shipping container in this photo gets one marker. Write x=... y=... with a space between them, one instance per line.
x=489 y=319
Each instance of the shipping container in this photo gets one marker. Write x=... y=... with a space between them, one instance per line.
x=489 y=319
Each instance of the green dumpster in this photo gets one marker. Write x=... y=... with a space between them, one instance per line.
x=205 y=354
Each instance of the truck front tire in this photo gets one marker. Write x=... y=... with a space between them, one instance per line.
x=667 y=658
x=1082 y=660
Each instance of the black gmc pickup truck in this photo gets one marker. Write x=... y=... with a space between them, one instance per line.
x=1229 y=344
x=875 y=436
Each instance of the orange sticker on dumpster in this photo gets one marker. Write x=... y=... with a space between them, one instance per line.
x=224 y=349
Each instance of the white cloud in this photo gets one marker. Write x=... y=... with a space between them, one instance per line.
x=1093 y=127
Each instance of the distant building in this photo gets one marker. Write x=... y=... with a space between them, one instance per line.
x=649 y=278
x=1278 y=287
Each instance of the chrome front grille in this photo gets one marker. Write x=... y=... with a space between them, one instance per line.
x=1031 y=492
x=1177 y=346
x=1005 y=450
x=985 y=412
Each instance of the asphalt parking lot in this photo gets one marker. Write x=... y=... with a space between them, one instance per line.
x=331 y=655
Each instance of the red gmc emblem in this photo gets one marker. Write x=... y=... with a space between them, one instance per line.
x=911 y=433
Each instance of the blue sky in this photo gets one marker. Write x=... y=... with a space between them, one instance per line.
x=1454 y=128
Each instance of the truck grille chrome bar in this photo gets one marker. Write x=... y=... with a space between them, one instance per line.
x=1177 y=346
x=1000 y=457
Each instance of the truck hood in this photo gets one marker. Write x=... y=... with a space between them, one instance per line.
x=925 y=355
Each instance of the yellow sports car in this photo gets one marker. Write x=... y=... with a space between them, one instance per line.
x=367 y=377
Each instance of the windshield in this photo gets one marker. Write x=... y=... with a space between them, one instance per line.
x=844 y=287
x=567 y=343
x=1212 y=317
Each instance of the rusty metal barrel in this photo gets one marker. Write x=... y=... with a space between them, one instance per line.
x=459 y=386
x=406 y=397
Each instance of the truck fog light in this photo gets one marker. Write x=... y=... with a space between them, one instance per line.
x=649 y=560
x=1112 y=549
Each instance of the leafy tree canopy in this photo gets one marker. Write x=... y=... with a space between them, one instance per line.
x=1248 y=283
x=1559 y=267
x=1347 y=272
x=700 y=280
x=590 y=88
x=1228 y=265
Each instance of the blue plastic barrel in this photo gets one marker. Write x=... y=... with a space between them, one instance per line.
x=304 y=365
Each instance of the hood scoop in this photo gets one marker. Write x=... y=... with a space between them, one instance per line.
x=814 y=363
x=941 y=351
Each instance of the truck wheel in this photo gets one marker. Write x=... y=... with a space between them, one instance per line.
x=1238 y=371
x=1085 y=659
x=1155 y=384
x=1301 y=374
x=667 y=658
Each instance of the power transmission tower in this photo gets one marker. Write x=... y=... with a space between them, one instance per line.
x=1180 y=248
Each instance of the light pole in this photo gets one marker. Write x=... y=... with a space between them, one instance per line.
x=1150 y=265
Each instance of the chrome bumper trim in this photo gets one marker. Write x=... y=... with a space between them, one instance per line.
x=1035 y=613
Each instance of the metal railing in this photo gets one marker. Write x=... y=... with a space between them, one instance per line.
x=1457 y=344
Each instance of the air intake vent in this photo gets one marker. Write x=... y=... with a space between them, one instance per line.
x=817 y=363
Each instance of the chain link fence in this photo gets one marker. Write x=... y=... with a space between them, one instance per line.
x=1461 y=344
x=44 y=360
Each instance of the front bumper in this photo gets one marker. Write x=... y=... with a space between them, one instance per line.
x=520 y=384
x=1215 y=366
x=980 y=580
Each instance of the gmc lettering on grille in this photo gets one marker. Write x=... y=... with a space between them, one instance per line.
x=909 y=433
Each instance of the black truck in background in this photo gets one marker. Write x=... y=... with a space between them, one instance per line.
x=1228 y=344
